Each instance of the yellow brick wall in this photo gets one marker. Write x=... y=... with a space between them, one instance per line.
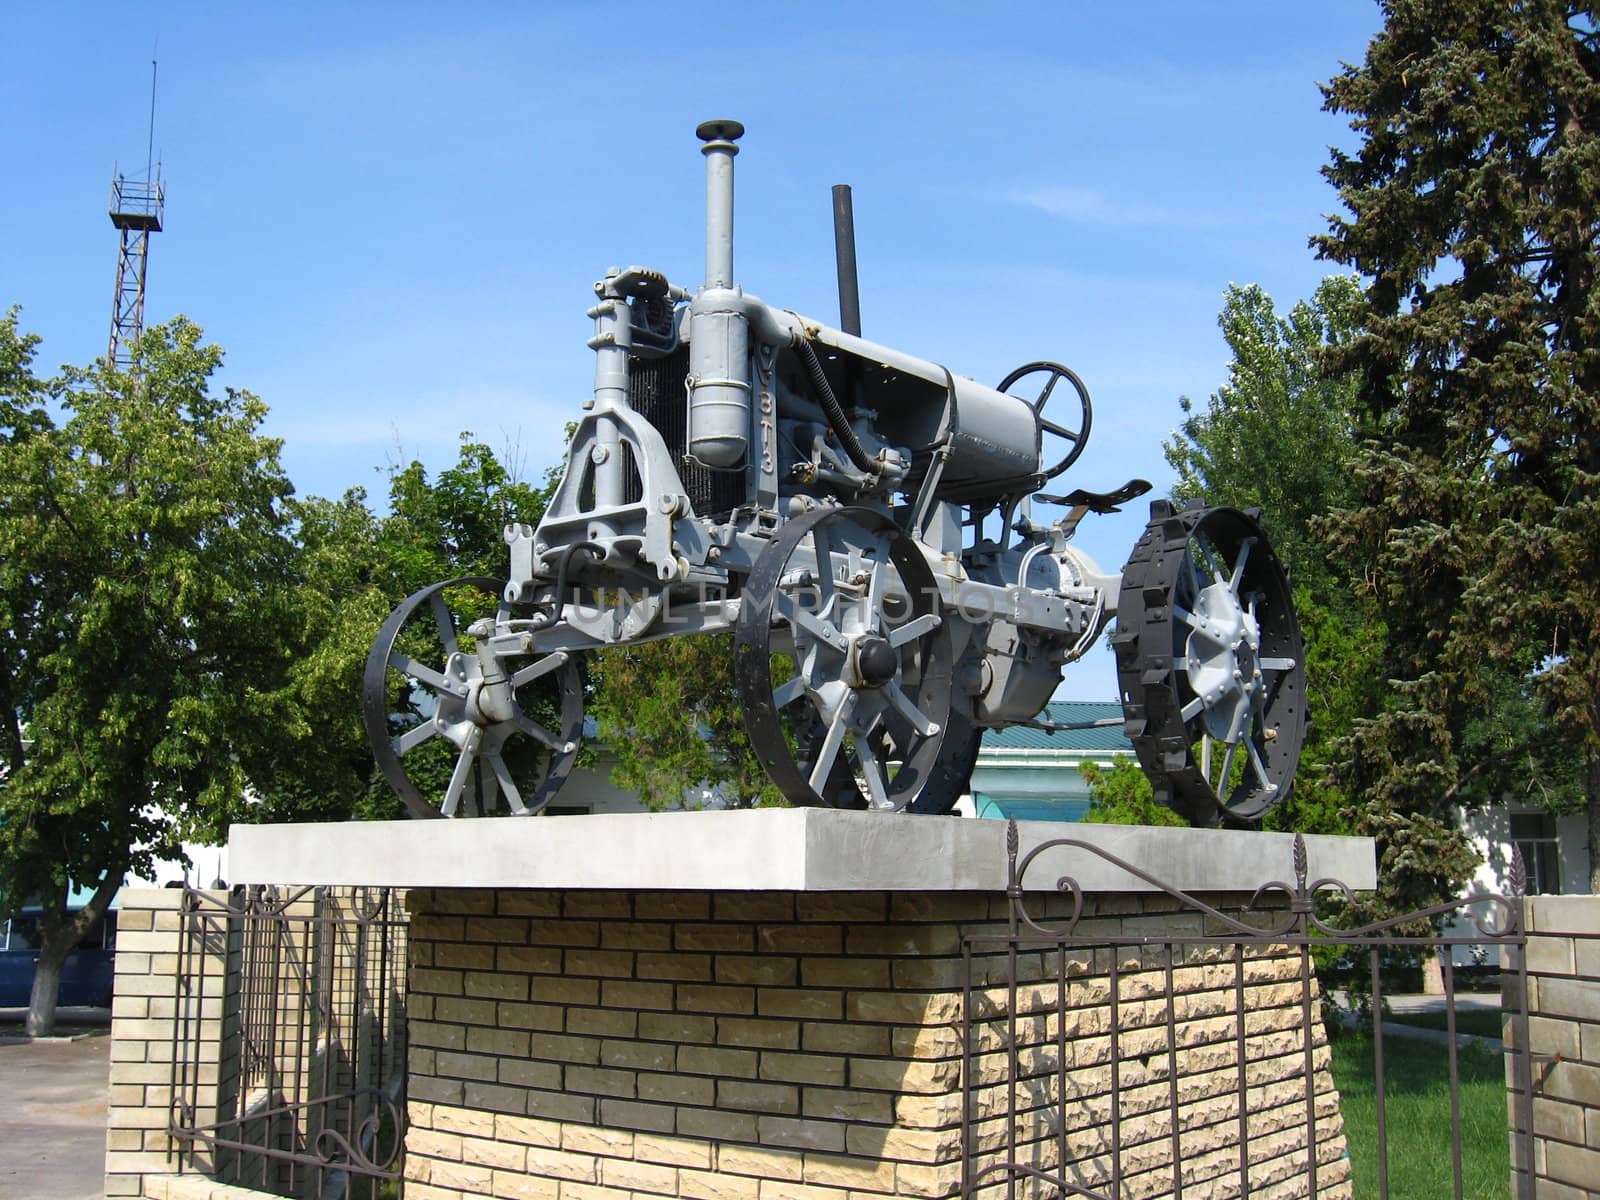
x=783 y=1046
x=144 y=1010
x=1563 y=959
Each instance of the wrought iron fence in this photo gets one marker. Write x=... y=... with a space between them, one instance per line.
x=1179 y=1046
x=288 y=1056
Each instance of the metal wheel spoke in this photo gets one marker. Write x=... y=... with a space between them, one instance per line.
x=1193 y=709
x=1187 y=617
x=823 y=547
x=1221 y=781
x=526 y=724
x=1238 y=566
x=415 y=736
x=786 y=694
x=462 y=772
x=1049 y=386
x=447 y=626
x=1240 y=715
x=829 y=750
x=507 y=787
x=1260 y=767
x=469 y=794
x=913 y=714
x=874 y=588
x=415 y=670
x=488 y=788
x=544 y=666
x=872 y=772
x=813 y=625
x=1276 y=664
x=914 y=629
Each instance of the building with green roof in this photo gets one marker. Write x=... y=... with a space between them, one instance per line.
x=1034 y=774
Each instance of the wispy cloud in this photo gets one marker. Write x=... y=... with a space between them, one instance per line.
x=1087 y=206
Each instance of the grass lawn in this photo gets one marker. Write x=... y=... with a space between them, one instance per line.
x=1417 y=1096
x=1483 y=1022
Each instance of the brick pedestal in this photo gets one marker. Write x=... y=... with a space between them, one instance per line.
x=589 y=1044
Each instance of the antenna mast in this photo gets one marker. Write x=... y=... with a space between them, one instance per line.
x=137 y=207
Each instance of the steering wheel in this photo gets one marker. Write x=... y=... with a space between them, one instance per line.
x=1074 y=432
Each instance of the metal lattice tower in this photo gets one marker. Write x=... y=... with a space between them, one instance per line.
x=136 y=209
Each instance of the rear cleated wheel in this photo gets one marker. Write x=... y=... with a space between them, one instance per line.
x=1211 y=665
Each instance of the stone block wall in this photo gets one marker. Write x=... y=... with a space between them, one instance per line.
x=144 y=1022
x=591 y=1045
x=1563 y=957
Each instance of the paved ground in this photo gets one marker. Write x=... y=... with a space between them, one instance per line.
x=54 y=1140
x=1464 y=1001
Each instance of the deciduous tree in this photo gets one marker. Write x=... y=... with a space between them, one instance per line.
x=352 y=568
x=670 y=712
x=145 y=569
x=1280 y=436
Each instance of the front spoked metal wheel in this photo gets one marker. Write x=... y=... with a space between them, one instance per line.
x=1211 y=664
x=843 y=662
x=462 y=717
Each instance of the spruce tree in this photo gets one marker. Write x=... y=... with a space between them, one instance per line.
x=1473 y=208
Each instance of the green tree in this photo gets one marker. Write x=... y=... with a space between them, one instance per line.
x=1470 y=209
x=145 y=569
x=1122 y=796
x=1280 y=436
x=670 y=712
x=353 y=567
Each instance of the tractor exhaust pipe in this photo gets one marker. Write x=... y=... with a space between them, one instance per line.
x=720 y=138
x=844 y=252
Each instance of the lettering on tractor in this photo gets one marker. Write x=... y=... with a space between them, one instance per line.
x=862 y=524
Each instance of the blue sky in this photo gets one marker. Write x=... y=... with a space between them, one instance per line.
x=390 y=215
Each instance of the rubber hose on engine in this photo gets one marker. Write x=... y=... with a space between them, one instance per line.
x=834 y=410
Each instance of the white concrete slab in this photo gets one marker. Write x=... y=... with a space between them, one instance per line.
x=798 y=849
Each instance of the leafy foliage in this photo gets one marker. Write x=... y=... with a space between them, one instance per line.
x=1280 y=436
x=1123 y=796
x=1471 y=204
x=145 y=586
x=670 y=712
x=353 y=568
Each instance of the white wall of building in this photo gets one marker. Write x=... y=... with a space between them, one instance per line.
x=1555 y=855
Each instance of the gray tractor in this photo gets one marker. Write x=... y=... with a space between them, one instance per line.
x=863 y=523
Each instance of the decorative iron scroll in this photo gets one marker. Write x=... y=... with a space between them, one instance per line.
x=1502 y=923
